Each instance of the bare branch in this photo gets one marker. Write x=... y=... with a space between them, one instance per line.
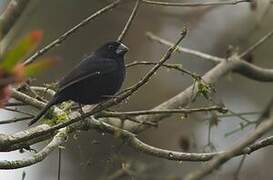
x=59 y=162
x=256 y=45
x=134 y=142
x=12 y=104
x=14 y=120
x=248 y=70
x=137 y=144
x=23 y=138
x=177 y=67
x=11 y=15
x=130 y=20
x=58 y=139
x=238 y=170
x=74 y=29
x=185 y=97
x=43 y=90
x=254 y=72
x=197 y=4
x=218 y=160
x=166 y=111
x=17 y=111
x=185 y=50
x=27 y=99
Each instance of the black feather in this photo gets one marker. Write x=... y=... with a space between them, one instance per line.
x=93 y=79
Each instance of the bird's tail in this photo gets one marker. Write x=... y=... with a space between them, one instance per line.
x=43 y=111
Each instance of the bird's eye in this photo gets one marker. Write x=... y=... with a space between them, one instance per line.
x=110 y=46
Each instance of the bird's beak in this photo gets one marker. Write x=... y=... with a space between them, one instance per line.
x=122 y=49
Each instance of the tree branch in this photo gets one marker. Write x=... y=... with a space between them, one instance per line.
x=256 y=45
x=129 y=22
x=166 y=111
x=218 y=160
x=10 y=15
x=254 y=72
x=197 y=4
x=58 y=139
x=185 y=50
x=177 y=67
x=74 y=29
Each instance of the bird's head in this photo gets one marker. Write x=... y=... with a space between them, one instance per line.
x=112 y=49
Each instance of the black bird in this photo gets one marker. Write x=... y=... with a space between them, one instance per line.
x=94 y=79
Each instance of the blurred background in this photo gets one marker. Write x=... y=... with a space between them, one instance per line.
x=93 y=155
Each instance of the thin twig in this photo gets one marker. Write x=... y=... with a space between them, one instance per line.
x=256 y=45
x=171 y=111
x=17 y=111
x=240 y=114
x=59 y=162
x=58 y=139
x=177 y=67
x=265 y=113
x=8 y=121
x=148 y=123
x=74 y=29
x=23 y=175
x=197 y=4
x=254 y=72
x=238 y=170
x=25 y=87
x=240 y=127
x=129 y=22
x=133 y=141
x=218 y=160
x=139 y=145
x=12 y=104
x=202 y=55
x=147 y=77
x=44 y=90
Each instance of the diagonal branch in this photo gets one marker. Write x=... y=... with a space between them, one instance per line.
x=254 y=72
x=202 y=55
x=244 y=68
x=185 y=97
x=10 y=15
x=177 y=67
x=220 y=159
x=137 y=144
x=74 y=29
x=58 y=139
x=256 y=45
x=197 y=4
x=130 y=20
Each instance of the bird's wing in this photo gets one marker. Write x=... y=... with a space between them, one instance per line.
x=91 y=66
